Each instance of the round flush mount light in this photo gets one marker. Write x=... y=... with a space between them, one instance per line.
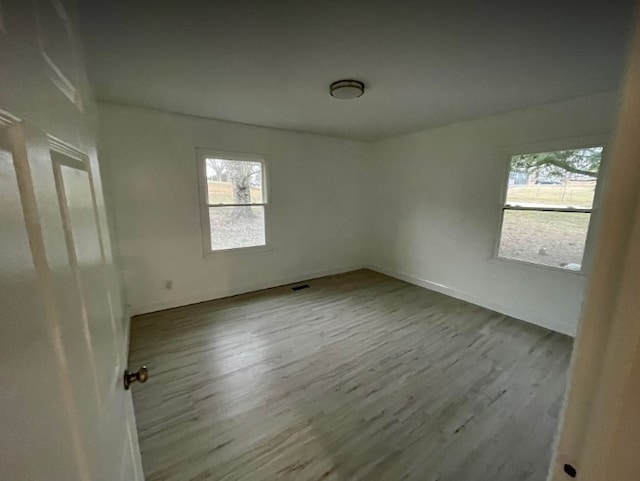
x=346 y=89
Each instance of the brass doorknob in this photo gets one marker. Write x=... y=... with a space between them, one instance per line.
x=141 y=376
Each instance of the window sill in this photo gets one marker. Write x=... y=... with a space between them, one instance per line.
x=238 y=251
x=525 y=264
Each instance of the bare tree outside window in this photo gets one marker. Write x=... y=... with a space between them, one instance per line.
x=216 y=170
x=236 y=202
x=548 y=207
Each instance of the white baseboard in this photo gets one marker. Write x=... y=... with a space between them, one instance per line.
x=211 y=295
x=521 y=314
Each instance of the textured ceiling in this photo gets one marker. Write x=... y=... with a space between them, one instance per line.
x=424 y=63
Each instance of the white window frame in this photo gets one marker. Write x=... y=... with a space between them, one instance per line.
x=205 y=221
x=551 y=146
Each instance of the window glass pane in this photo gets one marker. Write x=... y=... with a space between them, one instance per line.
x=563 y=178
x=233 y=227
x=550 y=238
x=234 y=181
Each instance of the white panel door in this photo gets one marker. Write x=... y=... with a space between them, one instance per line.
x=64 y=412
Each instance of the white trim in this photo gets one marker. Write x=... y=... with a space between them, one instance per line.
x=7 y=119
x=523 y=315
x=67 y=150
x=520 y=314
x=567 y=143
x=526 y=264
x=219 y=294
x=205 y=223
x=238 y=250
x=600 y=419
x=59 y=78
x=571 y=143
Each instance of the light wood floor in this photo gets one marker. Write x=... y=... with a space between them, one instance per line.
x=359 y=377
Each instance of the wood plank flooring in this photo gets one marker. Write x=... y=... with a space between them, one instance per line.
x=359 y=377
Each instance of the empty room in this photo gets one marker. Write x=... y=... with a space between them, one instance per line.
x=315 y=241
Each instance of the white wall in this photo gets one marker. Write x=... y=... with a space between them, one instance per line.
x=149 y=168
x=423 y=207
x=436 y=201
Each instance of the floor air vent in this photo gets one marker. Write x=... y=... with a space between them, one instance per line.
x=303 y=286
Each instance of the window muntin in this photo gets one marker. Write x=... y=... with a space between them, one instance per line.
x=234 y=201
x=547 y=210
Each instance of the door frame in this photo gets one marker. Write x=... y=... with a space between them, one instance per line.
x=600 y=427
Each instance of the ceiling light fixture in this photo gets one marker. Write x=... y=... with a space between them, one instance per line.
x=346 y=89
